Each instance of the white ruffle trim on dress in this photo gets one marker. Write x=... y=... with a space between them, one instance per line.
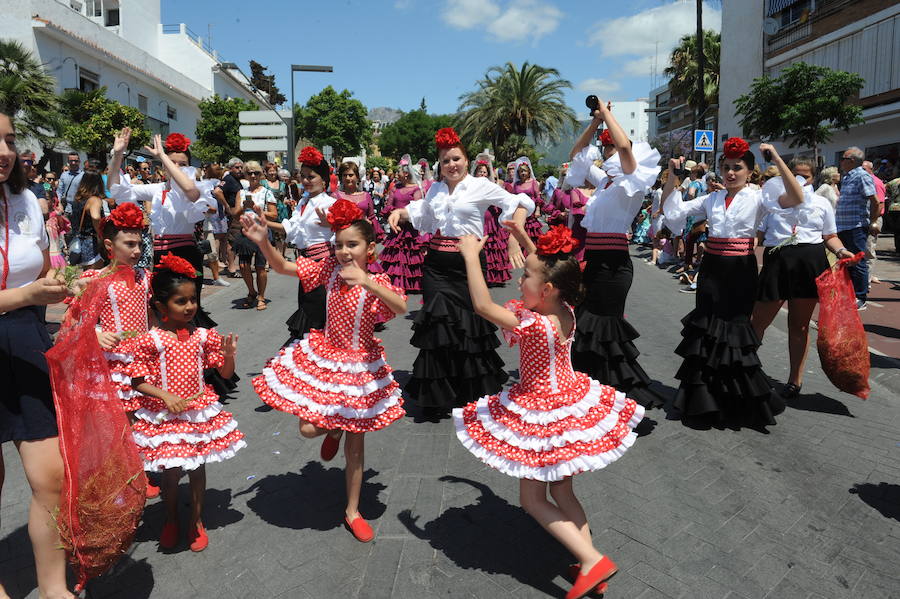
x=287 y=361
x=329 y=364
x=644 y=174
x=578 y=409
x=195 y=461
x=200 y=415
x=582 y=168
x=118 y=357
x=291 y=395
x=154 y=441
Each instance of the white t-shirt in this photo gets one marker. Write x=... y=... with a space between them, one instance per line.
x=809 y=221
x=27 y=239
x=261 y=196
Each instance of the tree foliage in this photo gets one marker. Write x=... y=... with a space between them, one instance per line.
x=265 y=83
x=683 y=68
x=382 y=162
x=513 y=100
x=804 y=103
x=413 y=134
x=27 y=94
x=334 y=119
x=515 y=146
x=218 y=137
x=92 y=121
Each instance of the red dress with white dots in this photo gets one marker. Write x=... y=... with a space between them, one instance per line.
x=124 y=312
x=336 y=378
x=554 y=422
x=203 y=432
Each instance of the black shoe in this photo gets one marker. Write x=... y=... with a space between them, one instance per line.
x=791 y=391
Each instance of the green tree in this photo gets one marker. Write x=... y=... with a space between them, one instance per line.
x=265 y=83
x=512 y=100
x=805 y=103
x=382 y=162
x=218 y=137
x=413 y=134
x=683 y=68
x=27 y=94
x=92 y=120
x=515 y=146
x=334 y=119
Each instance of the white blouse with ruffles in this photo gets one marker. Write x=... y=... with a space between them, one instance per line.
x=807 y=223
x=303 y=228
x=462 y=212
x=174 y=216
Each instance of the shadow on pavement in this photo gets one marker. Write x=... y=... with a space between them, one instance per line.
x=819 y=403
x=884 y=497
x=876 y=361
x=136 y=576
x=313 y=498
x=217 y=512
x=17 y=566
x=482 y=536
x=883 y=331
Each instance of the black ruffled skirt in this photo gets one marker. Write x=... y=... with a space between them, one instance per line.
x=722 y=381
x=310 y=313
x=790 y=272
x=603 y=347
x=457 y=361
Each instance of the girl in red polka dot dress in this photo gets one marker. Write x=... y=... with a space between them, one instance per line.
x=555 y=422
x=180 y=425
x=336 y=380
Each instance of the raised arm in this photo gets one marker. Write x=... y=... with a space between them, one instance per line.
x=255 y=231
x=588 y=134
x=185 y=183
x=623 y=144
x=470 y=247
x=793 y=193
x=120 y=146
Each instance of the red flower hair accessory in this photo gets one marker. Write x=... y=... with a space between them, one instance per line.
x=127 y=216
x=558 y=240
x=176 y=142
x=484 y=162
x=342 y=214
x=177 y=265
x=310 y=156
x=606 y=138
x=446 y=138
x=735 y=148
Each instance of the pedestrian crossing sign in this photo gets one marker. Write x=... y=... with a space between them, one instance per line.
x=703 y=140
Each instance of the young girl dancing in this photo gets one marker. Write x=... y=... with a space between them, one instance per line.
x=336 y=380
x=555 y=422
x=180 y=424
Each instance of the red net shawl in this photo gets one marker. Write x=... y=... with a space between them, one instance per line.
x=104 y=484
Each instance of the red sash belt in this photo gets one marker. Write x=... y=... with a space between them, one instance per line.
x=317 y=251
x=161 y=243
x=606 y=241
x=730 y=246
x=439 y=243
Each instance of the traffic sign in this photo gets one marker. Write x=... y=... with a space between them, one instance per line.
x=276 y=144
x=703 y=140
x=273 y=130
x=253 y=117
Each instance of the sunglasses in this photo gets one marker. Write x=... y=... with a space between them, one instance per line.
x=254 y=174
x=49 y=179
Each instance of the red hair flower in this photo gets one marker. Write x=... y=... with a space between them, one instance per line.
x=446 y=138
x=310 y=156
x=556 y=241
x=735 y=148
x=484 y=162
x=176 y=142
x=127 y=216
x=178 y=265
x=342 y=214
x=606 y=138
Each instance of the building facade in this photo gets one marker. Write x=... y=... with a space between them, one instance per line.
x=633 y=118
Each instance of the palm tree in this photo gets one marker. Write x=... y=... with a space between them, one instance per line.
x=683 y=68
x=26 y=93
x=512 y=100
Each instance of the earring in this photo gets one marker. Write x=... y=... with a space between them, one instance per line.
x=164 y=318
x=371 y=258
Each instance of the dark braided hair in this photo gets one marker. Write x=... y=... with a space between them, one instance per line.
x=564 y=273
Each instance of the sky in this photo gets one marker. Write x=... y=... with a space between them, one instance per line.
x=395 y=52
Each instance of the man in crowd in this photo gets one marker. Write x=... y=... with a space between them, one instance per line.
x=857 y=216
x=873 y=236
x=69 y=181
x=231 y=185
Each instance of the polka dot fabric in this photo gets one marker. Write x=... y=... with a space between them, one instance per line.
x=336 y=378
x=554 y=422
x=201 y=434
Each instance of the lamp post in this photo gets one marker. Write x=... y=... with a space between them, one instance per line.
x=307 y=68
x=127 y=88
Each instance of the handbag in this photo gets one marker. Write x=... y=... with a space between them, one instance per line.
x=204 y=246
x=80 y=244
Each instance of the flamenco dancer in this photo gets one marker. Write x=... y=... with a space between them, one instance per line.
x=311 y=236
x=337 y=380
x=425 y=174
x=348 y=173
x=457 y=361
x=555 y=423
x=180 y=425
x=496 y=250
x=175 y=206
x=604 y=347
x=524 y=182
x=567 y=208
x=795 y=242
x=402 y=254
x=722 y=382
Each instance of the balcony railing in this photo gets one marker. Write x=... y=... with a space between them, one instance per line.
x=790 y=35
x=174 y=29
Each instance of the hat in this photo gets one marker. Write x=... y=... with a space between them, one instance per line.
x=690 y=164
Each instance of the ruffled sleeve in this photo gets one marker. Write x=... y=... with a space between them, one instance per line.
x=644 y=175
x=421 y=213
x=145 y=357
x=528 y=322
x=212 y=350
x=494 y=195
x=773 y=189
x=126 y=192
x=582 y=168
x=379 y=307
x=314 y=273
x=677 y=211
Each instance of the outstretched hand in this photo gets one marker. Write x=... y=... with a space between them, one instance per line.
x=229 y=346
x=394 y=219
x=253 y=228
x=323 y=217
x=353 y=274
x=121 y=141
x=157 y=150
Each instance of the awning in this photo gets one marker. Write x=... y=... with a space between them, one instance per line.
x=776 y=6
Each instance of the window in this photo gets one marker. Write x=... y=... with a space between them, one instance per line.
x=112 y=17
x=632 y=115
x=171 y=113
x=632 y=133
x=88 y=80
x=797 y=12
x=142 y=103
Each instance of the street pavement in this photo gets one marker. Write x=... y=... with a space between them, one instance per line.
x=810 y=509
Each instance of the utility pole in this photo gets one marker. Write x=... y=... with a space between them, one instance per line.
x=701 y=68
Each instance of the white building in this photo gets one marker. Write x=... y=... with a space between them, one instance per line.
x=861 y=36
x=632 y=116
x=163 y=70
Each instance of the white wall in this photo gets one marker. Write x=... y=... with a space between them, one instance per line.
x=632 y=116
x=741 y=59
x=138 y=23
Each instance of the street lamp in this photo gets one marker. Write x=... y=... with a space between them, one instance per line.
x=127 y=88
x=306 y=68
x=75 y=62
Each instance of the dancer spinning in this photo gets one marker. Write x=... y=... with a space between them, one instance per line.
x=721 y=378
x=524 y=182
x=337 y=381
x=555 y=423
x=180 y=425
x=402 y=256
x=496 y=250
x=457 y=361
x=604 y=347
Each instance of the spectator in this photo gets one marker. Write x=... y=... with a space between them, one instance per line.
x=69 y=181
x=872 y=240
x=892 y=214
x=145 y=172
x=231 y=185
x=216 y=221
x=828 y=181
x=770 y=173
x=856 y=216
x=550 y=186
x=87 y=213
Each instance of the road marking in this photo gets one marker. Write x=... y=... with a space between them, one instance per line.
x=815 y=325
x=877 y=305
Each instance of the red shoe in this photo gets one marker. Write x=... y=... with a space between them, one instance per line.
x=585 y=583
x=330 y=447
x=360 y=529
x=198 y=538
x=152 y=490
x=599 y=590
x=169 y=536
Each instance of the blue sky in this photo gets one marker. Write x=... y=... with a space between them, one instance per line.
x=394 y=52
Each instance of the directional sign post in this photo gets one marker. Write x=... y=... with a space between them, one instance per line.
x=263 y=130
x=703 y=140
